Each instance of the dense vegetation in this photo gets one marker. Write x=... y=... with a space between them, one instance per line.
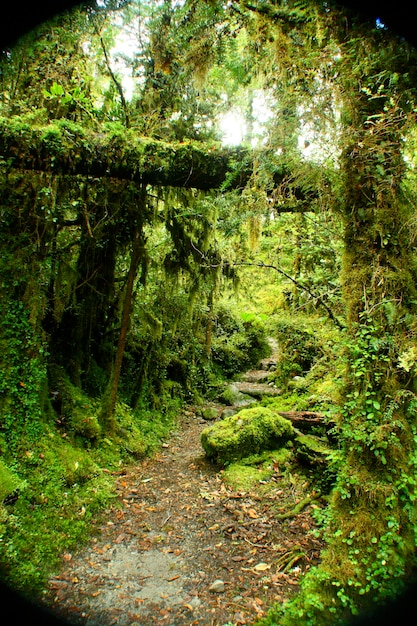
x=143 y=263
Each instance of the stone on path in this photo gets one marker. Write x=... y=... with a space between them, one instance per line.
x=217 y=587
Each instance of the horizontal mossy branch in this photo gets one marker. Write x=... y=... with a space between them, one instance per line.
x=63 y=147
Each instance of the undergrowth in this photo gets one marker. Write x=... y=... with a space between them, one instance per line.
x=58 y=487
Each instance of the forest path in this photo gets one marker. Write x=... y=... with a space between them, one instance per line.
x=182 y=548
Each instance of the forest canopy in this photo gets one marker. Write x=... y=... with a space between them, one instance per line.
x=132 y=223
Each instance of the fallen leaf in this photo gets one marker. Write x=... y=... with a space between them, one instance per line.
x=252 y=513
x=261 y=567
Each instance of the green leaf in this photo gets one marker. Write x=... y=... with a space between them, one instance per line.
x=57 y=90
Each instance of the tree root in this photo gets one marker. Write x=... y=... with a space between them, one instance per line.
x=298 y=507
x=287 y=560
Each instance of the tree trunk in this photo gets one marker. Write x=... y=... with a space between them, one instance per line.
x=134 y=158
x=371 y=535
x=209 y=327
x=108 y=417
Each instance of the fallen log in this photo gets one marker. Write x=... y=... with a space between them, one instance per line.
x=64 y=147
x=305 y=420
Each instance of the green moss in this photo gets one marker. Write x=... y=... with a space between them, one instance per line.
x=9 y=481
x=255 y=471
x=71 y=465
x=232 y=396
x=243 y=477
x=65 y=490
x=76 y=412
x=311 y=449
x=249 y=431
x=68 y=482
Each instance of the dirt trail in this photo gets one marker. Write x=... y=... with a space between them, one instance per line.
x=183 y=548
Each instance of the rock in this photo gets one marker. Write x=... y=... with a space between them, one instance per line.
x=257 y=390
x=210 y=413
x=195 y=602
x=257 y=376
x=248 y=432
x=233 y=397
x=268 y=365
x=217 y=587
x=228 y=413
x=312 y=450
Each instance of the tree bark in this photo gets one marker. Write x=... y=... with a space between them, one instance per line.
x=108 y=417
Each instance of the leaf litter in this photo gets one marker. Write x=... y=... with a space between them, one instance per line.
x=182 y=548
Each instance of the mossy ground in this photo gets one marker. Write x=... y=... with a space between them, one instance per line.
x=257 y=471
x=62 y=483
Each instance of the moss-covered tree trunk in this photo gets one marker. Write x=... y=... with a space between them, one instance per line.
x=373 y=514
x=109 y=405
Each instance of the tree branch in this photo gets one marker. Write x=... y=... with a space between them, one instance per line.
x=117 y=84
x=319 y=299
x=299 y=285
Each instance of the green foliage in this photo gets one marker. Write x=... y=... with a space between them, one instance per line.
x=77 y=414
x=238 y=343
x=299 y=348
x=248 y=432
x=9 y=481
x=61 y=486
x=66 y=254
x=64 y=491
x=23 y=378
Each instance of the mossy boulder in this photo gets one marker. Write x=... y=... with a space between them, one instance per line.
x=210 y=413
x=248 y=432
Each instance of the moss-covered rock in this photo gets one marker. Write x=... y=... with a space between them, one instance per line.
x=248 y=432
x=311 y=450
x=233 y=397
x=210 y=413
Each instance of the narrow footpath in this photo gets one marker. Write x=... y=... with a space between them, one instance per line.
x=182 y=548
